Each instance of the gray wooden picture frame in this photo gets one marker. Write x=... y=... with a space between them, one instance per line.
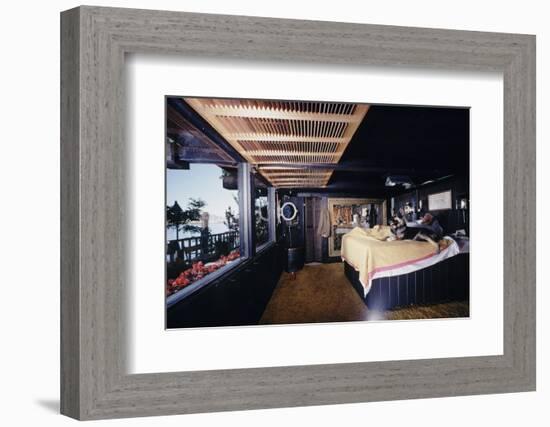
x=94 y=382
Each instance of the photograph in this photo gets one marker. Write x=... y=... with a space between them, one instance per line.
x=299 y=211
x=263 y=211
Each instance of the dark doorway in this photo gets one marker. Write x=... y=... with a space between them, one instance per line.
x=314 y=252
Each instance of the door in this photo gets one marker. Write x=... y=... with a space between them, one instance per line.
x=313 y=240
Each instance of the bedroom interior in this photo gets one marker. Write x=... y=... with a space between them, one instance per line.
x=312 y=188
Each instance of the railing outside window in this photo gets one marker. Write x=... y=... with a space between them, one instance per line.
x=206 y=247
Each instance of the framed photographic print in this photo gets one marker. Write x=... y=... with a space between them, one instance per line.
x=303 y=186
x=440 y=201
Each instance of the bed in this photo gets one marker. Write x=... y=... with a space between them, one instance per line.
x=388 y=274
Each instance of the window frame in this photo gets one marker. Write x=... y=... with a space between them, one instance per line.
x=271 y=219
x=247 y=233
x=177 y=296
x=245 y=188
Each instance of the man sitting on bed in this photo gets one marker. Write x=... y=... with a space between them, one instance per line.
x=427 y=229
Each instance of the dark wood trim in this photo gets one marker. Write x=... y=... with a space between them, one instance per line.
x=200 y=123
x=246 y=210
x=238 y=297
x=272 y=206
x=448 y=280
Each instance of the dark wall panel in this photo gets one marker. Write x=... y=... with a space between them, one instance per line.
x=452 y=219
x=446 y=281
x=239 y=298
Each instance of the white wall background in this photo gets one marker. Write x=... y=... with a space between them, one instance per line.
x=29 y=212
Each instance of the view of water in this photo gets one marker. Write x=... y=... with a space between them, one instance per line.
x=215 y=228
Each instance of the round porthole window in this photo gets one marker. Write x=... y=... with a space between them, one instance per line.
x=289 y=211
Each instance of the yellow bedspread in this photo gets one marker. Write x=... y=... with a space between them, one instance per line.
x=368 y=251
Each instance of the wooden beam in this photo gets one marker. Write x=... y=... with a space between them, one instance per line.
x=268 y=167
x=290 y=173
x=304 y=178
x=249 y=112
x=280 y=137
x=301 y=186
x=289 y=153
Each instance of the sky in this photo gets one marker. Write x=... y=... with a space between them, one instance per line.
x=200 y=181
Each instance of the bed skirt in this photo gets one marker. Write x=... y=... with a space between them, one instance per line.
x=448 y=280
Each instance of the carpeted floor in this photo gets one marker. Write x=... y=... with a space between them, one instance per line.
x=322 y=293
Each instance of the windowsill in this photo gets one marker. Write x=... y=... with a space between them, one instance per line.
x=264 y=246
x=199 y=284
x=195 y=286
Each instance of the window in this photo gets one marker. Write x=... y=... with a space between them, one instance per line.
x=261 y=215
x=202 y=223
x=215 y=208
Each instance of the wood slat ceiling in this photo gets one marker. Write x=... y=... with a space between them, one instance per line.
x=285 y=132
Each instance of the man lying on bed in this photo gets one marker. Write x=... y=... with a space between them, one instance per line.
x=427 y=229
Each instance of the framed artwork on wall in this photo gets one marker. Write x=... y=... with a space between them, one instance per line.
x=440 y=201
x=113 y=336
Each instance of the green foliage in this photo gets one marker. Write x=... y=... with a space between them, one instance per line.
x=179 y=219
x=222 y=247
